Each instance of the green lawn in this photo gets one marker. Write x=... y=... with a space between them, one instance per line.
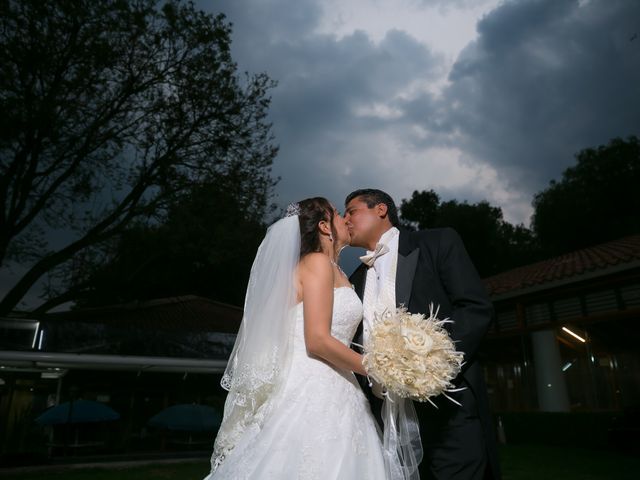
x=526 y=462
x=535 y=462
x=176 y=471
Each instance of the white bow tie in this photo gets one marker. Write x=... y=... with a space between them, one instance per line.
x=370 y=258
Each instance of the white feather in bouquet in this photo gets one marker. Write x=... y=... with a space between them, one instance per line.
x=412 y=356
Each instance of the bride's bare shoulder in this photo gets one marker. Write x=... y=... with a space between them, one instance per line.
x=316 y=264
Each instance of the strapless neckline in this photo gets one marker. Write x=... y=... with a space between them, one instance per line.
x=334 y=289
x=345 y=317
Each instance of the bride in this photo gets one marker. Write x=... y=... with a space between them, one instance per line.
x=295 y=409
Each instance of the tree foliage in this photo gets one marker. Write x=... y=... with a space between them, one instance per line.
x=595 y=201
x=205 y=247
x=493 y=244
x=113 y=111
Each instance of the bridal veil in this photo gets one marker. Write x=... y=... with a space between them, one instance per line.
x=261 y=356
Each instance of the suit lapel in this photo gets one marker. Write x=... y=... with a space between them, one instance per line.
x=406 y=270
x=358 y=279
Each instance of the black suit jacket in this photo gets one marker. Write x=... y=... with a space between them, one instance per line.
x=434 y=267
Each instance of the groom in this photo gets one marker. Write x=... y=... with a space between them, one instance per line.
x=419 y=268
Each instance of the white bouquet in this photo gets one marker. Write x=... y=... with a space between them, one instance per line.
x=412 y=356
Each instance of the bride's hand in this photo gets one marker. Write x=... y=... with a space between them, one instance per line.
x=377 y=389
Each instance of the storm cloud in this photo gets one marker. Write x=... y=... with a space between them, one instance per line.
x=543 y=80
x=477 y=99
x=538 y=81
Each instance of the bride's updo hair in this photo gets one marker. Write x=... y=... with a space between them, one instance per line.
x=313 y=211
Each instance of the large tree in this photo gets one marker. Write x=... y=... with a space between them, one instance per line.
x=112 y=112
x=204 y=247
x=493 y=244
x=595 y=201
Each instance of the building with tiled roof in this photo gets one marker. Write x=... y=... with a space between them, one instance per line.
x=591 y=262
x=188 y=312
x=187 y=327
x=137 y=358
x=604 y=278
x=566 y=331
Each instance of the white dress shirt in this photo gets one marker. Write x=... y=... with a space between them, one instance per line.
x=380 y=286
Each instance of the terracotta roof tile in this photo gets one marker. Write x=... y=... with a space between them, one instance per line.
x=591 y=259
x=177 y=313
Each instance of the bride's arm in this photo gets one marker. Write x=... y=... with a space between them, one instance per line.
x=316 y=277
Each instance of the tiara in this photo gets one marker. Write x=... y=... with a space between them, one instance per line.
x=292 y=210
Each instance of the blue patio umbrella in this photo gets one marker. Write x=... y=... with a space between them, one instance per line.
x=78 y=411
x=188 y=418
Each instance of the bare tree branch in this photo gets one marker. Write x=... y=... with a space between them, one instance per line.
x=128 y=103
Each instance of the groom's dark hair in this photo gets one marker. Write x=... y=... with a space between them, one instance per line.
x=373 y=197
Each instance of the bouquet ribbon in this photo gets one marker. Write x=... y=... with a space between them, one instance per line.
x=402 y=447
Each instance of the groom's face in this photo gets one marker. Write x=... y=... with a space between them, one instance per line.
x=362 y=222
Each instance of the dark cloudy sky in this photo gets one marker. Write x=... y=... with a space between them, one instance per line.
x=477 y=99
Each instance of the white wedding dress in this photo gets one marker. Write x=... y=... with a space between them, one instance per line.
x=322 y=427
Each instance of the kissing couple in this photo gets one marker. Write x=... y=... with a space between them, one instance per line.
x=300 y=404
